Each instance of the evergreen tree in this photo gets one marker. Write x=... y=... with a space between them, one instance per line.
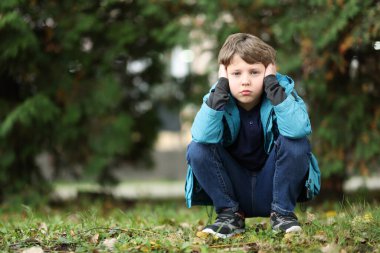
x=77 y=79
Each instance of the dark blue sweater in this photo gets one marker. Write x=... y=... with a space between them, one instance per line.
x=248 y=148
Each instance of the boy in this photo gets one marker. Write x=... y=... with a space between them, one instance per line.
x=249 y=155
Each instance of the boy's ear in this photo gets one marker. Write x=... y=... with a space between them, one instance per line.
x=222 y=71
x=270 y=70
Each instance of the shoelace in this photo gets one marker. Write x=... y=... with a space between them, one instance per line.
x=224 y=218
x=288 y=219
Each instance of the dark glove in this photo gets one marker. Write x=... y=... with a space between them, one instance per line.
x=219 y=97
x=275 y=93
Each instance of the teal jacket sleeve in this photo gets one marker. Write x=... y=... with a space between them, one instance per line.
x=207 y=126
x=292 y=117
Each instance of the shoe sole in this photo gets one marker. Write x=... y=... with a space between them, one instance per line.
x=294 y=229
x=219 y=235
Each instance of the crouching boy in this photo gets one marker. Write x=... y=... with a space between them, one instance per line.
x=249 y=155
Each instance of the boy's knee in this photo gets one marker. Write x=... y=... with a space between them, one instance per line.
x=296 y=148
x=198 y=151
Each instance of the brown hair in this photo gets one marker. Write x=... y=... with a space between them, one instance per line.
x=250 y=48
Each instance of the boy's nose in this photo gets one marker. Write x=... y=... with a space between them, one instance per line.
x=245 y=80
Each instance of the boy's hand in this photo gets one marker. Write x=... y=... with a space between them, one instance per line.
x=222 y=71
x=270 y=70
x=275 y=93
x=223 y=86
x=219 y=97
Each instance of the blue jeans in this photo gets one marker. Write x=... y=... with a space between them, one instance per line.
x=275 y=187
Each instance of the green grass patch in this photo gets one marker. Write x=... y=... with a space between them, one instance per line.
x=168 y=226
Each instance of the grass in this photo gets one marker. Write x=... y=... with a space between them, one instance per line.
x=168 y=226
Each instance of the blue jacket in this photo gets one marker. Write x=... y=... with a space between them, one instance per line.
x=212 y=126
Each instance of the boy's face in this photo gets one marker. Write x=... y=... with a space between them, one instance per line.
x=246 y=81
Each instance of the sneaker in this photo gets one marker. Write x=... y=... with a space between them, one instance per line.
x=285 y=223
x=227 y=224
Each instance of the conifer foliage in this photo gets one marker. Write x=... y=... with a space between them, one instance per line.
x=77 y=80
x=333 y=46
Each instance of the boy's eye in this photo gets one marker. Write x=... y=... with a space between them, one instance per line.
x=255 y=72
x=235 y=73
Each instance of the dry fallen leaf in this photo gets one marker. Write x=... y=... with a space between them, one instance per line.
x=261 y=226
x=198 y=241
x=320 y=236
x=238 y=236
x=205 y=237
x=367 y=218
x=94 y=239
x=330 y=214
x=330 y=248
x=33 y=250
x=185 y=225
x=43 y=228
x=310 y=218
x=202 y=235
x=288 y=238
x=109 y=243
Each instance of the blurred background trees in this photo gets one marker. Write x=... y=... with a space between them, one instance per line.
x=78 y=80
x=83 y=80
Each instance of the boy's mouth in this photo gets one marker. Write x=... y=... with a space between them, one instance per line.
x=246 y=92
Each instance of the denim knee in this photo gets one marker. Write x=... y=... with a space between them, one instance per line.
x=294 y=148
x=197 y=152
